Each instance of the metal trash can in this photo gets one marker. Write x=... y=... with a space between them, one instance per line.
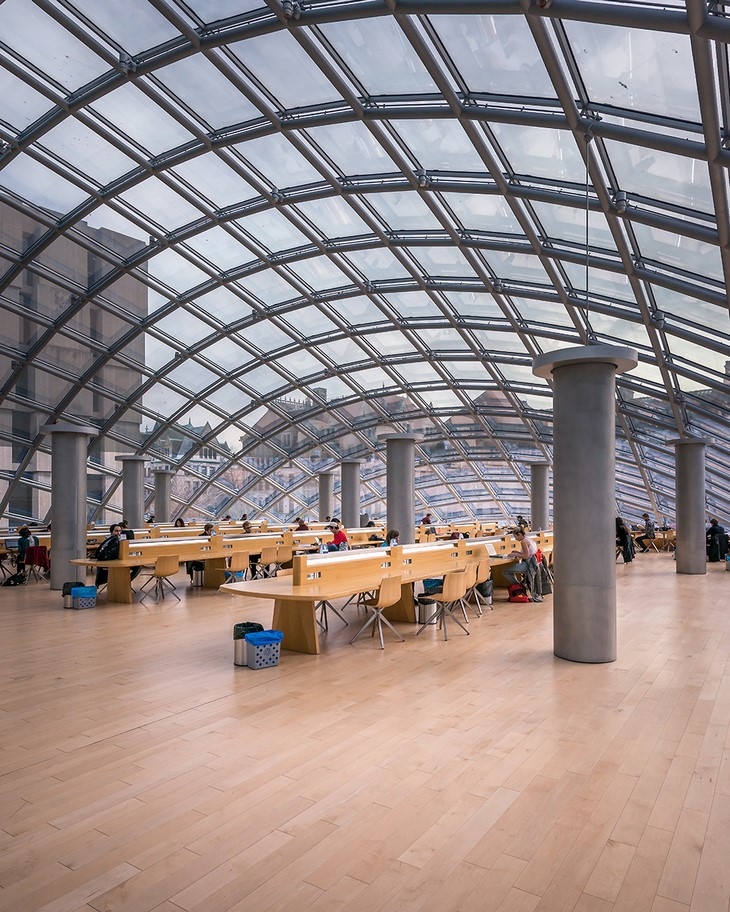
x=239 y=641
x=197 y=578
x=68 y=599
x=425 y=607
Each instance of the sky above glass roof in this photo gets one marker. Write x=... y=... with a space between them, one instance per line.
x=249 y=240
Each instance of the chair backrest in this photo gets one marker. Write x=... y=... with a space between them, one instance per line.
x=284 y=553
x=239 y=561
x=484 y=571
x=389 y=592
x=471 y=574
x=269 y=555
x=167 y=565
x=454 y=586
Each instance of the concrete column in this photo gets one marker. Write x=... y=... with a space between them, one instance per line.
x=133 y=489
x=539 y=496
x=350 y=493
x=584 y=501
x=163 y=477
x=326 y=495
x=401 y=475
x=691 y=550
x=69 y=445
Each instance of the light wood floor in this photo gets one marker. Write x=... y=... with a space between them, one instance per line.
x=141 y=770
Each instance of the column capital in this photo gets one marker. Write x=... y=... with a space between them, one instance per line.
x=66 y=427
x=688 y=441
x=131 y=458
x=165 y=471
x=622 y=357
x=402 y=436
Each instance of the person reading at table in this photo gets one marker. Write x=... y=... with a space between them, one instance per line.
x=339 y=538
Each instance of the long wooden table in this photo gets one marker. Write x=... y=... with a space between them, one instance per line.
x=343 y=574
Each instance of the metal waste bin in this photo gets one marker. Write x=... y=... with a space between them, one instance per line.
x=197 y=578
x=239 y=642
x=425 y=607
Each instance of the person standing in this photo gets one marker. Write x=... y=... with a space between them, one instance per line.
x=624 y=540
x=716 y=541
x=649 y=533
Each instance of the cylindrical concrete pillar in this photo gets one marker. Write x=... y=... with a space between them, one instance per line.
x=69 y=445
x=163 y=477
x=539 y=496
x=350 y=493
x=133 y=489
x=691 y=550
x=401 y=475
x=584 y=501
x=326 y=495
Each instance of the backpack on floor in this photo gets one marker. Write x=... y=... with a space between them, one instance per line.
x=517 y=593
x=17 y=579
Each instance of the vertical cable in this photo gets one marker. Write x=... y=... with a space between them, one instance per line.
x=589 y=137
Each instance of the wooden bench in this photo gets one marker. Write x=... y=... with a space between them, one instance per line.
x=317 y=578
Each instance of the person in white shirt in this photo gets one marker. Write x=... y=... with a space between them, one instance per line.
x=526 y=550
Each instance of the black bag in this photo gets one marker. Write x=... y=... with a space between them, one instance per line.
x=108 y=549
x=17 y=579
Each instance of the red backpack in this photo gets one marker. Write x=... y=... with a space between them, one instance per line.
x=517 y=593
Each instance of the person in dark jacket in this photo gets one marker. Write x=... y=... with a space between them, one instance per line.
x=624 y=540
x=716 y=541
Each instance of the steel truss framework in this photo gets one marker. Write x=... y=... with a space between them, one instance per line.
x=307 y=224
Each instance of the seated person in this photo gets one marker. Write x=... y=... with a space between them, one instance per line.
x=25 y=540
x=179 y=523
x=109 y=550
x=392 y=537
x=199 y=566
x=526 y=565
x=339 y=537
x=301 y=525
x=649 y=533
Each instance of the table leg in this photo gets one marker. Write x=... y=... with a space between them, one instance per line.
x=119 y=587
x=405 y=608
x=212 y=575
x=297 y=622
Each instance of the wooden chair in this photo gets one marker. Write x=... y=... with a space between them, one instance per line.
x=237 y=563
x=268 y=563
x=36 y=562
x=484 y=571
x=165 y=567
x=454 y=590
x=388 y=594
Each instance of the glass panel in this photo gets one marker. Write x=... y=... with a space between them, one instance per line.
x=681 y=252
x=22 y=105
x=45 y=43
x=161 y=204
x=87 y=151
x=268 y=287
x=483 y=213
x=32 y=181
x=140 y=27
x=143 y=121
x=352 y=148
x=636 y=68
x=214 y=180
x=565 y=223
x=495 y=54
x=175 y=271
x=319 y=273
x=379 y=56
x=440 y=145
x=280 y=163
x=272 y=230
x=649 y=172
x=540 y=152
x=377 y=264
x=297 y=83
x=403 y=211
x=333 y=218
x=202 y=87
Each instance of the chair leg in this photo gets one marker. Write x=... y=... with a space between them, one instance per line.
x=322 y=620
x=376 y=620
x=448 y=612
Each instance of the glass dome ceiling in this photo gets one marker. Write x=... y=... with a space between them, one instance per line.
x=249 y=240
